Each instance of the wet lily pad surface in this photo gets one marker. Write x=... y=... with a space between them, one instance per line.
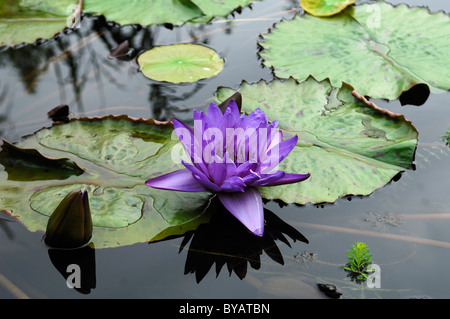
x=116 y=154
x=30 y=20
x=178 y=63
x=343 y=141
x=177 y=12
x=380 y=49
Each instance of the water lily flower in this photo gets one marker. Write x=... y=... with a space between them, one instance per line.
x=70 y=225
x=231 y=155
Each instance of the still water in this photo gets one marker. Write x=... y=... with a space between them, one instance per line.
x=405 y=224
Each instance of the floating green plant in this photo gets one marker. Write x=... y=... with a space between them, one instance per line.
x=359 y=259
x=446 y=137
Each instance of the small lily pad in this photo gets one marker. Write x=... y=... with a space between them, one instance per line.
x=179 y=63
x=325 y=8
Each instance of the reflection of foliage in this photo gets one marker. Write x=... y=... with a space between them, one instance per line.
x=225 y=241
x=446 y=137
x=359 y=259
x=73 y=64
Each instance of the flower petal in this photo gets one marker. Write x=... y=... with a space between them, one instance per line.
x=185 y=135
x=251 y=177
x=268 y=178
x=245 y=168
x=181 y=180
x=232 y=111
x=285 y=147
x=214 y=116
x=217 y=172
x=201 y=178
x=276 y=154
x=287 y=179
x=233 y=184
x=247 y=207
x=254 y=119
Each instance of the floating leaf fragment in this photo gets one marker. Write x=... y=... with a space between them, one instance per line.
x=59 y=113
x=123 y=52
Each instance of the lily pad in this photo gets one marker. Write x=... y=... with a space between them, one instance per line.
x=325 y=8
x=177 y=12
x=179 y=63
x=29 y=20
x=348 y=145
x=117 y=154
x=379 y=49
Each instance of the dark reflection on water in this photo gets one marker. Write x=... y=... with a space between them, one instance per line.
x=225 y=241
x=77 y=266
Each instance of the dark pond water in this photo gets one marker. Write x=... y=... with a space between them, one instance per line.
x=406 y=224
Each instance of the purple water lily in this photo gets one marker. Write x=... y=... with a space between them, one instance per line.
x=231 y=155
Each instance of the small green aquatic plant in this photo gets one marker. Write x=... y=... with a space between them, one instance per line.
x=359 y=259
x=446 y=137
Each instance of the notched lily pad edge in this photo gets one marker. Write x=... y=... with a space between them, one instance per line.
x=204 y=19
x=260 y=48
x=99 y=118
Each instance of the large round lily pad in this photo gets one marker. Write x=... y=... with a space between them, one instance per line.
x=348 y=145
x=379 y=49
x=110 y=158
x=179 y=63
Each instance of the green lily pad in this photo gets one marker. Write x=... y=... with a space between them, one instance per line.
x=29 y=20
x=117 y=155
x=379 y=49
x=179 y=63
x=348 y=145
x=177 y=12
x=325 y=8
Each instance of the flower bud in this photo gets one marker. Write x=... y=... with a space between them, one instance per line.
x=70 y=225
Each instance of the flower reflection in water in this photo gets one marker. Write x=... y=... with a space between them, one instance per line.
x=225 y=241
